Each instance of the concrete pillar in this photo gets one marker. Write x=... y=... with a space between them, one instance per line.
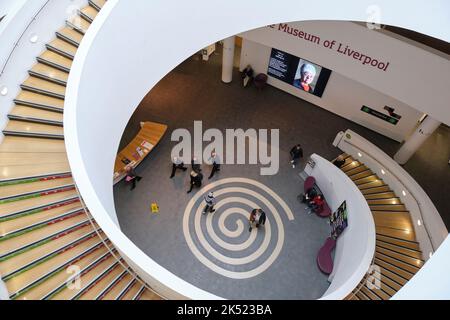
x=425 y=129
x=228 y=59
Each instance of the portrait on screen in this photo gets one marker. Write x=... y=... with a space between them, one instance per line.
x=306 y=76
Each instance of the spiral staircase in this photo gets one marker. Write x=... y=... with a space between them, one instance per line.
x=50 y=247
x=397 y=255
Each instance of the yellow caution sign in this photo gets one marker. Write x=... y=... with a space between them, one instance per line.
x=155 y=208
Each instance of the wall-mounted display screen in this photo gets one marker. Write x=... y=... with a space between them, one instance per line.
x=300 y=73
x=339 y=221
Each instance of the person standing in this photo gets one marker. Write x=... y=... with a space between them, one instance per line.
x=132 y=177
x=257 y=216
x=339 y=161
x=210 y=203
x=196 y=165
x=296 y=154
x=196 y=180
x=177 y=164
x=215 y=161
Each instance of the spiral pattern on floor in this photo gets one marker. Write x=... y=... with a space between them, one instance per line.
x=222 y=241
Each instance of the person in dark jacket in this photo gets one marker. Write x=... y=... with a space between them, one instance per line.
x=296 y=154
x=196 y=165
x=339 y=161
x=215 y=160
x=196 y=180
x=177 y=164
x=132 y=177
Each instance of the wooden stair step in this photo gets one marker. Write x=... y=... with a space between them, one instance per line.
x=366 y=180
x=30 y=204
x=394 y=280
x=388 y=207
x=115 y=292
x=32 y=129
x=377 y=292
x=28 y=278
x=86 y=279
x=33 y=187
x=399 y=243
x=132 y=291
x=10 y=174
x=373 y=184
x=21 y=226
x=394 y=220
x=79 y=24
x=32 y=145
x=89 y=13
x=107 y=284
x=97 y=4
x=414 y=253
x=393 y=200
x=12 y=159
x=149 y=295
x=32 y=99
x=381 y=195
x=15 y=265
x=55 y=60
x=416 y=263
x=61 y=279
x=44 y=87
x=62 y=47
x=398 y=263
x=355 y=170
x=407 y=235
x=35 y=238
x=70 y=35
x=48 y=73
x=30 y=114
x=361 y=175
x=375 y=190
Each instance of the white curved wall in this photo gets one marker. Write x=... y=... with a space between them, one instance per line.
x=355 y=247
x=130 y=47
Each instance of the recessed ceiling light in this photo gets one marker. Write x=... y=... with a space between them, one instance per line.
x=419 y=223
x=3 y=90
x=404 y=193
x=359 y=154
x=431 y=253
x=34 y=38
x=383 y=172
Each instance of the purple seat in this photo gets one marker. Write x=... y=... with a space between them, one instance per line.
x=325 y=212
x=309 y=183
x=324 y=259
x=260 y=80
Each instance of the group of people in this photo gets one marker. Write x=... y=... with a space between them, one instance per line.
x=314 y=200
x=196 y=176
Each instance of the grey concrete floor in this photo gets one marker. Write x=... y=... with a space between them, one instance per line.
x=194 y=91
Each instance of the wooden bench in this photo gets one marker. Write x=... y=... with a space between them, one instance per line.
x=135 y=152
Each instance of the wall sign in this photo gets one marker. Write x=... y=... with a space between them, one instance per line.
x=385 y=117
x=339 y=221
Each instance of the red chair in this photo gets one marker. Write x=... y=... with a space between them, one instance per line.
x=309 y=183
x=325 y=211
x=324 y=259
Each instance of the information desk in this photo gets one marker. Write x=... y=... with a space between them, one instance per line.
x=355 y=247
x=136 y=151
